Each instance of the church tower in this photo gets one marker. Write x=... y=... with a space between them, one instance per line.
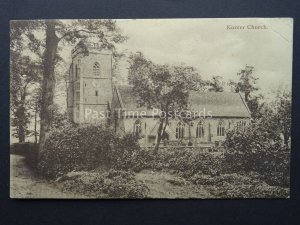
x=90 y=83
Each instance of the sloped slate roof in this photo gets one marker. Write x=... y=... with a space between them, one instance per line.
x=221 y=104
x=128 y=100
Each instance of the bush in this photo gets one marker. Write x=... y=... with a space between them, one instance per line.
x=273 y=166
x=255 y=138
x=124 y=185
x=76 y=147
x=190 y=163
x=257 y=150
x=261 y=190
x=111 y=184
x=84 y=148
x=237 y=185
x=84 y=183
x=184 y=162
x=126 y=152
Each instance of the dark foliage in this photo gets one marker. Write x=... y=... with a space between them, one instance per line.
x=28 y=150
x=256 y=149
x=112 y=184
x=85 y=147
x=180 y=161
x=73 y=147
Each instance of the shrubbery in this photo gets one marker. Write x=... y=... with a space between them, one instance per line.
x=256 y=149
x=126 y=152
x=181 y=161
x=238 y=186
x=124 y=185
x=84 y=147
x=189 y=163
x=113 y=184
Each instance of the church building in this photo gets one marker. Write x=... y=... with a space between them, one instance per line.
x=93 y=97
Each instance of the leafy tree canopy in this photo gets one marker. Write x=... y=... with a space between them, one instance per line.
x=162 y=87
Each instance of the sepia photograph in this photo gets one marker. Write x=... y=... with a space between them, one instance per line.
x=150 y=108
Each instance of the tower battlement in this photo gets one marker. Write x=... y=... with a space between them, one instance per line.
x=88 y=47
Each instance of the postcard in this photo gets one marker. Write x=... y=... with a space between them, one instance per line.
x=150 y=108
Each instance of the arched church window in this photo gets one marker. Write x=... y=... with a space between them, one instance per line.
x=241 y=125
x=180 y=130
x=137 y=128
x=200 y=129
x=221 y=129
x=96 y=69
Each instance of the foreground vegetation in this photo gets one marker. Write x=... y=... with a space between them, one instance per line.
x=106 y=167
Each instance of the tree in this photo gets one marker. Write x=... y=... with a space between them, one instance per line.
x=55 y=34
x=162 y=87
x=275 y=119
x=247 y=85
x=35 y=106
x=282 y=106
x=24 y=74
x=256 y=104
x=216 y=84
x=247 y=82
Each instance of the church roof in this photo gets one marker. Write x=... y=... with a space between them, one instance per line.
x=128 y=100
x=221 y=104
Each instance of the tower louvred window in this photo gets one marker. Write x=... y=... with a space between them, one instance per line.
x=96 y=69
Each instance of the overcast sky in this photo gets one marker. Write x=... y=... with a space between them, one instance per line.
x=209 y=46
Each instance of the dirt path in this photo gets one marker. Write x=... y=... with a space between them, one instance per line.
x=166 y=185
x=24 y=184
